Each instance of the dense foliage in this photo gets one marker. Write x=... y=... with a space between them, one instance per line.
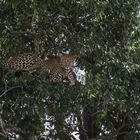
x=105 y=36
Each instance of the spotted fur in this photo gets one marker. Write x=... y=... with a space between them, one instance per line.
x=58 y=67
x=23 y=62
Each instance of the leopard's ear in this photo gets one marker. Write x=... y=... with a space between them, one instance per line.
x=59 y=54
x=75 y=56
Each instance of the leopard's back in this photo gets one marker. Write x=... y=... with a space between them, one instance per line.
x=24 y=62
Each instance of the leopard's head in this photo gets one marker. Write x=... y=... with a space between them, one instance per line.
x=67 y=60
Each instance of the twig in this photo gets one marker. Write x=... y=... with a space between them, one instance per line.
x=3 y=135
x=6 y=91
x=2 y=125
x=25 y=33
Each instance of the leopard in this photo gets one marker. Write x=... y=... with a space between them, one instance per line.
x=59 y=68
x=67 y=62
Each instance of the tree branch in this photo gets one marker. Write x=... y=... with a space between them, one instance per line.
x=6 y=91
